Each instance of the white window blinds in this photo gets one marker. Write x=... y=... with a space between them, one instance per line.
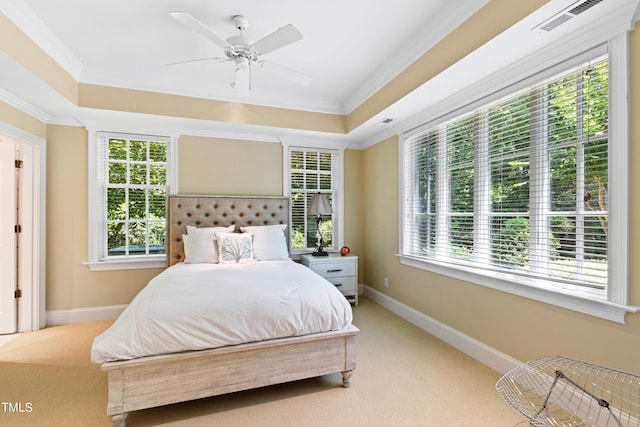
x=518 y=186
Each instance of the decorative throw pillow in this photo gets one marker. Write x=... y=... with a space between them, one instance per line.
x=269 y=241
x=235 y=247
x=200 y=245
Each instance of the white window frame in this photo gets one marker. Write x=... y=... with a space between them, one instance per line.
x=337 y=190
x=615 y=304
x=97 y=260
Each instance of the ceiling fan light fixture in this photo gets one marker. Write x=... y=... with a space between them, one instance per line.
x=242 y=63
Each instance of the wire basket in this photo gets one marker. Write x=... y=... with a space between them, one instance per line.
x=557 y=391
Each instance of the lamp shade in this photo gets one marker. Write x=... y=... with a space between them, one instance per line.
x=320 y=205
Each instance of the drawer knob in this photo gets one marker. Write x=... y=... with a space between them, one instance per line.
x=336 y=270
x=337 y=285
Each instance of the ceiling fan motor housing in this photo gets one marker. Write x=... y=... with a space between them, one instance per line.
x=241 y=48
x=240 y=42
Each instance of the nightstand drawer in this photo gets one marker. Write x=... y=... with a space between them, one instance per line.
x=346 y=285
x=340 y=270
x=335 y=269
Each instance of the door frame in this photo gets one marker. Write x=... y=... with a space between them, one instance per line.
x=32 y=240
x=8 y=237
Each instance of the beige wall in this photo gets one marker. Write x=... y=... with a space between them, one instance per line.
x=354 y=209
x=229 y=167
x=519 y=327
x=69 y=283
x=118 y=99
x=236 y=167
x=206 y=166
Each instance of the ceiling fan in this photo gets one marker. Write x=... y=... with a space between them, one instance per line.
x=244 y=52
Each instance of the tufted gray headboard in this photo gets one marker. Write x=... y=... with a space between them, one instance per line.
x=219 y=211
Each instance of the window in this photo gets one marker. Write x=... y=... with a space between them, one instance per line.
x=515 y=194
x=312 y=171
x=132 y=177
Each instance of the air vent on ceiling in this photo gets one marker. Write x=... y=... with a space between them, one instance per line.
x=383 y=122
x=556 y=22
x=585 y=5
x=569 y=13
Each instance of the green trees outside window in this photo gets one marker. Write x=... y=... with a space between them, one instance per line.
x=136 y=192
x=519 y=185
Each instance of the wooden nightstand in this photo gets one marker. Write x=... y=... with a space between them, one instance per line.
x=340 y=270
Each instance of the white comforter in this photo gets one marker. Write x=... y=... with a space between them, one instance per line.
x=200 y=306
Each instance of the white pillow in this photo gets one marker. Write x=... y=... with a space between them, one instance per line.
x=235 y=247
x=269 y=241
x=197 y=250
x=200 y=245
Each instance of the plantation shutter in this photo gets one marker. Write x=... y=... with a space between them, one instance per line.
x=517 y=186
x=310 y=172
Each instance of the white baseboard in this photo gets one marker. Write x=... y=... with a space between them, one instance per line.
x=78 y=315
x=484 y=354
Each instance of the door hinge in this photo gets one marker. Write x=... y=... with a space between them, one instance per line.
x=18 y=228
x=18 y=293
x=18 y=164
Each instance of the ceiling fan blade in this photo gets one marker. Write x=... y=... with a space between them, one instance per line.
x=217 y=59
x=197 y=26
x=286 y=72
x=279 y=38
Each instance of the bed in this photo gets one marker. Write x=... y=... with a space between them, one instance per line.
x=170 y=373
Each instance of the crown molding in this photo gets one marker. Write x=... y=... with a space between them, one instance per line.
x=609 y=25
x=454 y=13
x=64 y=121
x=23 y=106
x=24 y=17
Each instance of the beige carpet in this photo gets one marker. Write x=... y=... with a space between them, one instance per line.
x=404 y=377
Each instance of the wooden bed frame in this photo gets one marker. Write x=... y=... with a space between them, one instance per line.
x=153 y=381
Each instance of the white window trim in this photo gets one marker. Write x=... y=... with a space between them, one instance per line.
x=338 y=193
x=615 y=305
x=124 y=263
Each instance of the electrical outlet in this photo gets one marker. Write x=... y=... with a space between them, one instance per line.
x=386 y=282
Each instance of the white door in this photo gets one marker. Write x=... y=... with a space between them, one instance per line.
x=8 y=305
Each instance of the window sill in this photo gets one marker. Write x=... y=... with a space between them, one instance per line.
x=529 y=288
x=128 y=263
